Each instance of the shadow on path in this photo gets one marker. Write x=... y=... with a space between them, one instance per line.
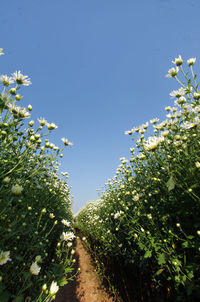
x=67 y=293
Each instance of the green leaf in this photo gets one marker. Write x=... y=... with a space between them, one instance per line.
x=190 y=237
x=161 y=259
x=63 y=282
x=20 y=258
x=159 y=271
x=170 y=184
x=4 y=297
x=148 y=254
x=185 y=244
x=19 y=298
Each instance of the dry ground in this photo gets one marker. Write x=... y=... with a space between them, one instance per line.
x=86 y=287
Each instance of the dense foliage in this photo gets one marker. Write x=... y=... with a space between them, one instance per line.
x=36 y=254
x=148 y=216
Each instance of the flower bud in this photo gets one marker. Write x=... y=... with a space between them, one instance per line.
x=31 y=123
x=12 y=91
x=18 y=97
x=44 y=287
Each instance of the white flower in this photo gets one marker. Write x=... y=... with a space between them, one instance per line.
x=23 y=113
x=21 y=79
x=35 y=268
x=129 y=132
x=172 y=72
x=178 y=93
x=165 y=133
x=133 y=130
x=42 y=121
x=153 y=142
x=65 y=222
x=118 y=214
x=188 y=125
x=53 y=288
x=136 y=197
x=191 y=61
x=66 y=142
x=68 y=236
x=51 y=126
x=154 y=121
x=6 y=180
x=149 y=216
x=197 y=164
x=4 y=257
x=1 y=52
x=6 y=81
x=16 y=190
x=51 y=215
x=144 y=126
x=178 y=61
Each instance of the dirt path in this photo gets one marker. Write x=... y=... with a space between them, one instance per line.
x=86 y=287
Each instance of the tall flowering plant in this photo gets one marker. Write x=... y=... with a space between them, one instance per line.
x=34 y=200
x=148 y=215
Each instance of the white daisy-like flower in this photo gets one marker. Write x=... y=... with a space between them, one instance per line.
x=5 y=80
x=35 y=268
x=172 y=72
x=144 y=126
x=53 y=288
x=133 y=130
x=4 y=257
x=129 y=132
x=67 y=236
x=188 y=125
x=23 y=113
x=118 y=214
x=178 y=61
x=154 y=121
x=178 y=93
x=66 y=142
x=16 y=189
x=51 y=126
x=153 y=142
x=21 y=79
x=66 y=223
x=42 y=121
x=191 y=61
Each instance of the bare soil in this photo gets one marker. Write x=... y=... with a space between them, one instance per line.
x=86 y=287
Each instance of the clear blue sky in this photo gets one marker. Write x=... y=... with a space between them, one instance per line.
x=97 y=69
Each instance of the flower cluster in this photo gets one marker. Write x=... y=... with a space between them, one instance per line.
x=35 y=204
x=148 y=214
